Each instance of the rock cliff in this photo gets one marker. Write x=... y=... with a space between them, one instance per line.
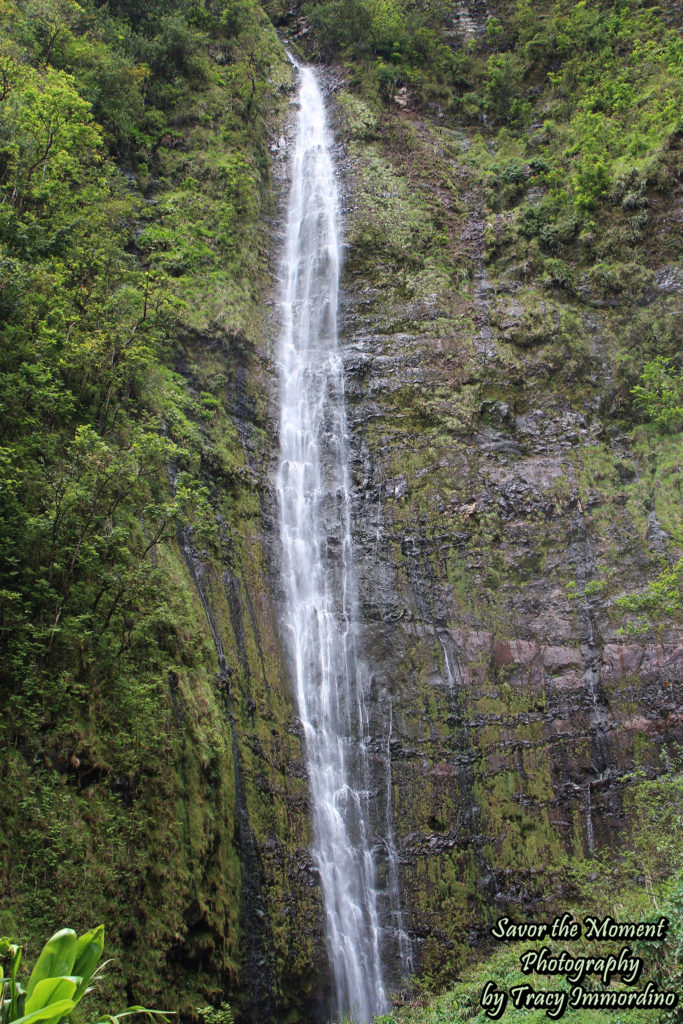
x=501 y=504
x=516 y=514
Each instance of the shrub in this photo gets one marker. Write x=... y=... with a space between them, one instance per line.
x=660 y=393
x=59 y=980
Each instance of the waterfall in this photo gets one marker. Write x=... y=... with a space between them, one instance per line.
x=317 y=566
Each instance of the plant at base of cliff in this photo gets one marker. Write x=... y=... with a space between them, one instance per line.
x=654 y=809
x=61 y=977
x=216 y=1015
x=646 y=874
x=441 y=1011
x=668 y=959
x=660 y=394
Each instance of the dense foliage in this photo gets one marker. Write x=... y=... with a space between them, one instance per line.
x=98 y=279
x=134 y=186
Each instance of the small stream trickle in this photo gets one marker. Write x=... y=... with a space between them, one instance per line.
x=590 y=835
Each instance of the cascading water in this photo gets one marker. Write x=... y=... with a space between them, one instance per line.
x=318 y=577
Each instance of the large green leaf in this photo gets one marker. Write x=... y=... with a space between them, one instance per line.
x=50 y=991
x=88 y=951
x=47 y=1014
x=56 y=959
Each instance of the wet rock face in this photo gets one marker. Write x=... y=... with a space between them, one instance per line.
x=257 y=886
x=500 y=507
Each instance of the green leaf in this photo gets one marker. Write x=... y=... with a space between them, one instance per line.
x=88 y=952
x=56 y=959
x=51 y=990
x=53 y=1012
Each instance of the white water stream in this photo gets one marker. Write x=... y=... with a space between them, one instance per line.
x=317 y=567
